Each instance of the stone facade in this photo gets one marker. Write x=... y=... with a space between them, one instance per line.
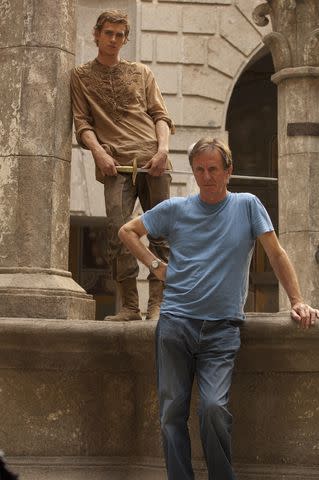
x=198 y=51
x=79 y=396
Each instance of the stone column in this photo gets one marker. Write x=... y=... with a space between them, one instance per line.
x=294 y=44
x=37 y=54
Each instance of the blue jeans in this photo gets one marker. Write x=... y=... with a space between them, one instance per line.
x=207 y=349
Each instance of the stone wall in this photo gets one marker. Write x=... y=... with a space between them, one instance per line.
x=79 y=401
x=197 y=50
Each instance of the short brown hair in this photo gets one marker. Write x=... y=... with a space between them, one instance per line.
x=209 y=144
x=113 y=16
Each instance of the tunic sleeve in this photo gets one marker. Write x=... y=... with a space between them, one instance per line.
x=83 y=119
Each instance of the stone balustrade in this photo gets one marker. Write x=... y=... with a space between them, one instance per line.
x=79 y=397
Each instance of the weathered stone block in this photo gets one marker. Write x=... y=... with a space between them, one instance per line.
x=185 y=136
x=168 y=48
x=147 y=47
x=161 y=17
x=180 y=161
x=37 y=114
x=41 y=234
x=297 y=102
x=43 y=295
x=166 y=77
x=205 y=82
x=38 y=24
x=9 y=200
x=301 y=247
x=238 y=31
x=224 y=57
x=280 y=394
x=202 y=112
x=194 y=49
x=174 y=106
x=200 y=19
x=300 y=212
x=50 y=420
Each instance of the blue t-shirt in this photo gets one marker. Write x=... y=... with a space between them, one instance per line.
x=210 y=252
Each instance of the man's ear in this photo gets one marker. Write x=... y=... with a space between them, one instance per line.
x=230 y=171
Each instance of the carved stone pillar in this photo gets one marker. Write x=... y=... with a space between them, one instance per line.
x=294 y=44
x=37 y=54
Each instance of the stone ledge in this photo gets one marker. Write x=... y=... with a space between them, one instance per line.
x=270 y=338
x=85 y=390
x=118 y=468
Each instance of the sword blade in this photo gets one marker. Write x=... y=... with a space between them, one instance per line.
x=129 y=169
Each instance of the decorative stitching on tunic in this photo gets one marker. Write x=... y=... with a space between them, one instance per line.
x=114 y=89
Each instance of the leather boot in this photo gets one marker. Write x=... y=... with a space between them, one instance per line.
x=155 y=299
x=129 y=310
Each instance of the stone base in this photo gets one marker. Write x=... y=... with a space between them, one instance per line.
x=43 y=294
x=104 y=468
x=80 y=401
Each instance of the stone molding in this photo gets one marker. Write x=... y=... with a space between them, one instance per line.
x=280 y=49
x=295 y=37
x=31 y=270
x=116 y=468
x=275 y=332
x=295 y=72
x=260 y=14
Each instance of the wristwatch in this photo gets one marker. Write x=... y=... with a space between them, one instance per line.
x=155 y=264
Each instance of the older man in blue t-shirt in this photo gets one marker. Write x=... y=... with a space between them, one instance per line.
x=211 y=238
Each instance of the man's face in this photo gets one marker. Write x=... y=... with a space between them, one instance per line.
x=210 y=175
x=111 y=38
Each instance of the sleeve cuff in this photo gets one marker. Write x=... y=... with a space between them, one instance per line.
x=169 y=123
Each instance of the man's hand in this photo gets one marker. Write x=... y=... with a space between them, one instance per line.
x=160 y=272
x=104 y=162
x=157 y=164
x=304 y=314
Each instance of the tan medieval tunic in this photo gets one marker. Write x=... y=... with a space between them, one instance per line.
x=121 y=104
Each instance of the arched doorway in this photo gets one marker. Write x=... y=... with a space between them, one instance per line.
x=252 y=126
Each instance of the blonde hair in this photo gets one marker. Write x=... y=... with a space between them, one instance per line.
x=210 y=144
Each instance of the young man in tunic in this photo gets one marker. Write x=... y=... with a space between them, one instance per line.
x=211 y=237
x=119 y=114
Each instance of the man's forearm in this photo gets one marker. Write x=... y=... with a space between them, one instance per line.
x=162 y=135
x=135 y=246
x=130 y=234
x=287 y=276
x=89 y=139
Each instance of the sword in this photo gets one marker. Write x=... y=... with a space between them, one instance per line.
x=135 y=170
